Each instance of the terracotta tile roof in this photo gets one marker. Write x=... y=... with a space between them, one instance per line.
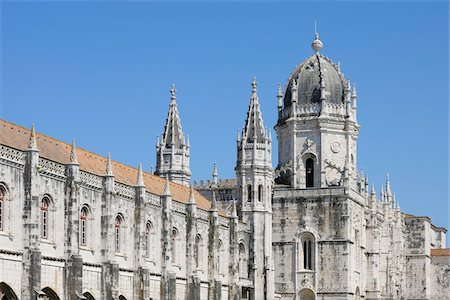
x=440 y=252
x=17 y=137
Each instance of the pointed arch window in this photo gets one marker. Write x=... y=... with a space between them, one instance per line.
x=2 y=208
x=243 y=267
x=83 y=226
x=309 y=172
x=198 y=251
x=249 y=192
x=118 y=231
x=45 y=203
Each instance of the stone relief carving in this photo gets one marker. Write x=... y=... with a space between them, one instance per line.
x=307 y=145
x=333 y=174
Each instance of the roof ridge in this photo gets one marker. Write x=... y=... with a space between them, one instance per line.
x=117 y=163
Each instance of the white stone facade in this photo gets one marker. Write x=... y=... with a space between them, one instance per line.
x=75 y=225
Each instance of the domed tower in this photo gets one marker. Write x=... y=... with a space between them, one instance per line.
x=317 y=128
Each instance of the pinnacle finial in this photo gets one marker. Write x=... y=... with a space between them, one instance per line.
x=191 y=196
x=109 y=169
x=372 y=192
x=33 y=143
x=254 y=84
x=140 y=177
x=354 y=91
x=167 y=187
x=317 y=44
x=214 y=174
x=73 y=153
x=280 y=90
x=173 y=92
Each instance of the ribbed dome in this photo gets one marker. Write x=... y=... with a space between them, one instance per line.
x=309 y=75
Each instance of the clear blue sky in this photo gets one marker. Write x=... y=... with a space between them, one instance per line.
x=101 y=72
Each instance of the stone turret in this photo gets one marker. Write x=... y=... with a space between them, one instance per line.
x=254 y=183
x=172 y=149
x=317 y=129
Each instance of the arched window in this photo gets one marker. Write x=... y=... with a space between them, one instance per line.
x=249 y=192
x=307 y=294
x=118 y=232
x=44 y=217
x=309 y=172
x=148 y=239
x=198 y=251
x=83 y=226
x=2 y=208
x=243 y=267
x=260 y=192
x=306 y=252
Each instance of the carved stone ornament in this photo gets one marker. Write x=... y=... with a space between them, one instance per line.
x=333 y=174
x=335 y=147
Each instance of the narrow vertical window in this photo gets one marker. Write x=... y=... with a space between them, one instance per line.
x=308 y=253
x=309 y=172
x=260 y=192
x=174 y=246
x=117 y=227
x=148 y=230
x=44 y=218
x=197 y=251
x=83 y=226
x=2 y=209
x=249 y=192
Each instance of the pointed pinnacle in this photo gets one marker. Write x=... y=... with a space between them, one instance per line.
x=354 y=90
x=173 y=92
x=73 y=153
x=191 y=196
x=372 y=192
x=33 y=143
x=280 y=91
x=167 y=187
x=140 y=177
x=214 y=174
x=109 y=169
x=254 y=84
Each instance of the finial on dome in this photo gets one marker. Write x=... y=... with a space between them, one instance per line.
x=316 y=44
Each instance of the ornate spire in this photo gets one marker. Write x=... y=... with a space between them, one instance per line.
x=214 y=174
x=33 y=143
x=191 y=196
x=109 y=168
x=140 y=177
x=254 y=127
x=388 y=186
x=280 y=97
x=173 y=133
x=73 y=153
x=167 y=187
